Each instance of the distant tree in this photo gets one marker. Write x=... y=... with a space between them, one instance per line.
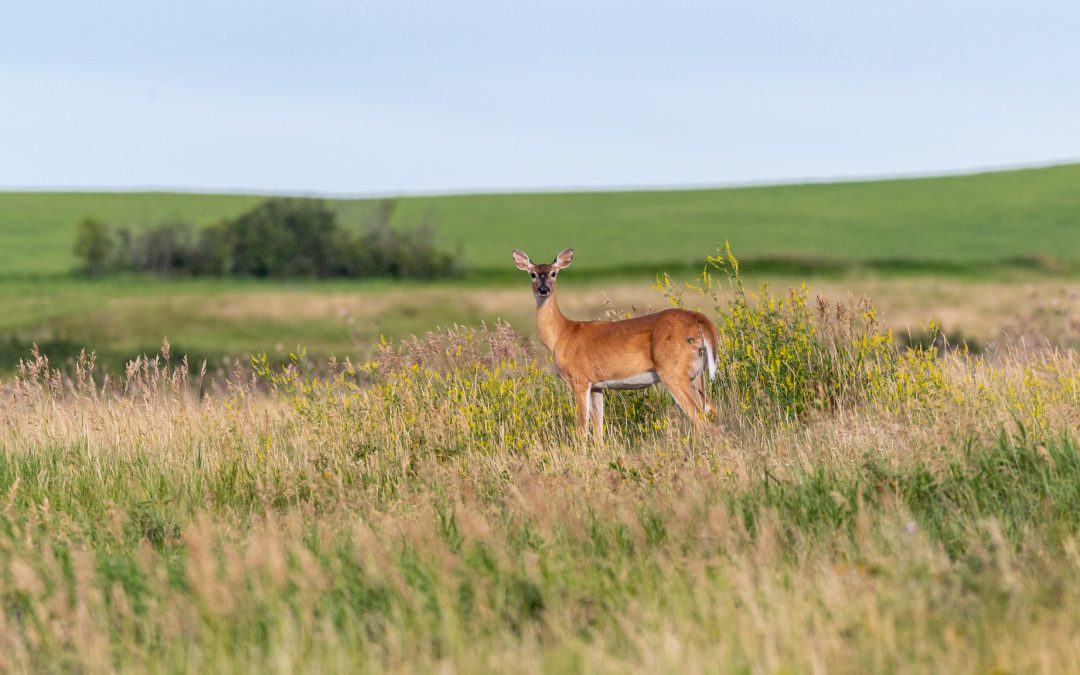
x=284 y=238
x=93 y=246
x=166 y=249
x=214 y=252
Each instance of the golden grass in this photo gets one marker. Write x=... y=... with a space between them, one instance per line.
x=433 y=510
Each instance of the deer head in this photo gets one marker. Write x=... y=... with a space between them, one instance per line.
x=543 y=276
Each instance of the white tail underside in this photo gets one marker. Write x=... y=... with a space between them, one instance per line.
x=710 y=356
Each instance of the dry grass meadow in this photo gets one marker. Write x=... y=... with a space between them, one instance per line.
x=858 y=506
x=224 y=320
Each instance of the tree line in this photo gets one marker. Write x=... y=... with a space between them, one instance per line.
x=278 y=238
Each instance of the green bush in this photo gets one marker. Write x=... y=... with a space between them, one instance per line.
x=785 y=356
x=283 y=238
x=94 y=246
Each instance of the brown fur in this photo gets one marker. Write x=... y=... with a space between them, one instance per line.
x=671 y=343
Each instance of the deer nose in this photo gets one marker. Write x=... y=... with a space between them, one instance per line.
x=543 y=290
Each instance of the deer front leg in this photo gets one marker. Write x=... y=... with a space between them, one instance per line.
x=581 y=400
x=596 y=412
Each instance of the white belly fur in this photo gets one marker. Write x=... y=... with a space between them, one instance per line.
x=639 y=381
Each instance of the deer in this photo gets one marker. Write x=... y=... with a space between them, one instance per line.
x=675 y=347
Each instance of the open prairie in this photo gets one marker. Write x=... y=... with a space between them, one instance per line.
x=868 y=499
x=857 y=508
x=221 y=321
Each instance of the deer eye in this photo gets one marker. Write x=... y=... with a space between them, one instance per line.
x=553 y=274
x=532 y=274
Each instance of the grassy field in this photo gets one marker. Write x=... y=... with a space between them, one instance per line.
x=426 y=505
x=961 y=221
x=224 y=321
x=857 y=508
x=926 y=249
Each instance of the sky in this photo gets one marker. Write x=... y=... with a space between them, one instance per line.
x=400 y=97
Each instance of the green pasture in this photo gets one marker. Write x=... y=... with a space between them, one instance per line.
x=1026 y=215
x=962 y=220
x=216 y=320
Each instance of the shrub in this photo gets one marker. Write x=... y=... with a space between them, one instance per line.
x=166 y=249
x=285 y=238
x=385 y=251
x=93 y=246
x=784 y=356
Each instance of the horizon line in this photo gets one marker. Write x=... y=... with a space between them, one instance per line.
x=479 y=192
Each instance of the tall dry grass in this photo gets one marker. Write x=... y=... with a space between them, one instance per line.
x=857 y=508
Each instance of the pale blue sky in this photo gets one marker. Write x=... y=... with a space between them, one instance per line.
x=388 y=97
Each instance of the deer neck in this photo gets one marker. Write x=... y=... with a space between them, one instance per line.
x=550 y=322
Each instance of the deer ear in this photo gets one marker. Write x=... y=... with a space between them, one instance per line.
x=563 y=259
x=522 y=261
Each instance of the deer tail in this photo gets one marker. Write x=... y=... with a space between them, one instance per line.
x=709 y=339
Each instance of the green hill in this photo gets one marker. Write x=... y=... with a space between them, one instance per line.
x=989 y=217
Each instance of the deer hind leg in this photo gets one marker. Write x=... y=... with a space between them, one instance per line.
x=596 y=413
x=702 y=395
x=686 y=395
x=681 y=361
x=682 y=373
